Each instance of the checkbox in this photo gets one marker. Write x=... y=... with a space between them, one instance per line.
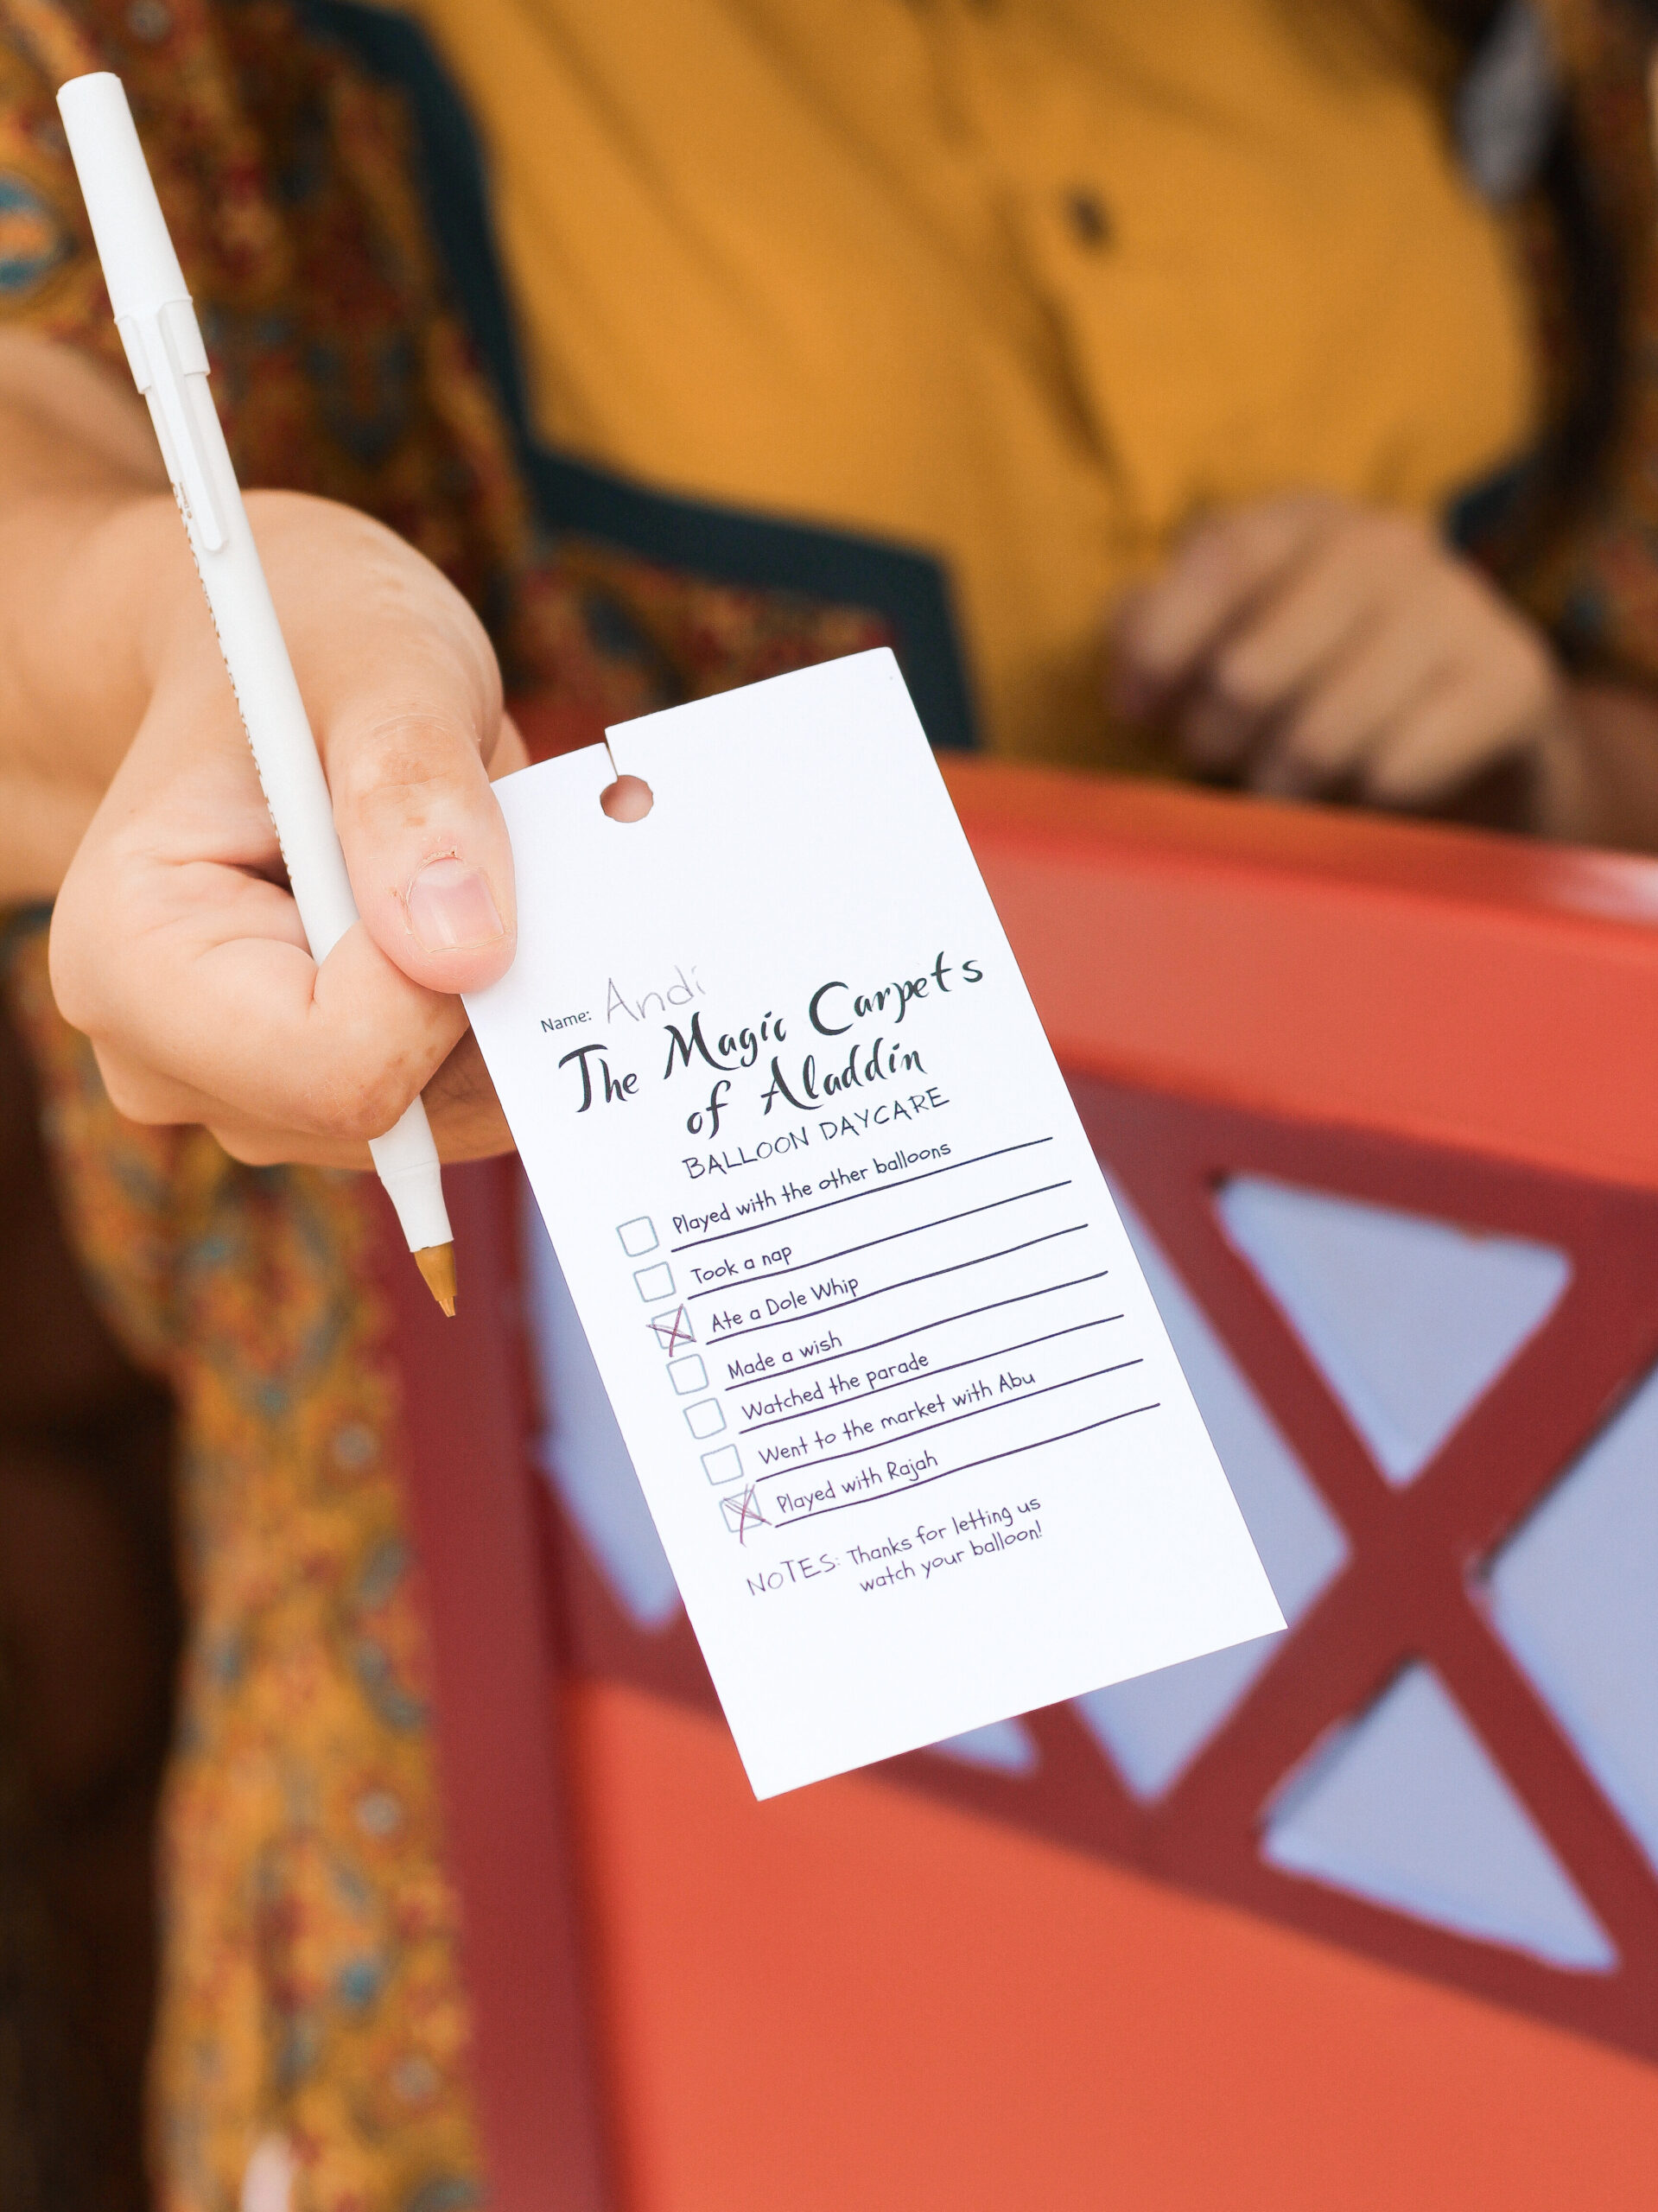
x=672 y=1329
x=724 y=1465
x=655 y=1282
x=688 y=1376
x=743 y=1513
x=706 y=1420
x=639 y=1235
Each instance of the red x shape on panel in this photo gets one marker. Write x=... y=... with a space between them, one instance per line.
x=1408 y=1590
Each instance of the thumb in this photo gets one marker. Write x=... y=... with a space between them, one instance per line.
x=407 y=734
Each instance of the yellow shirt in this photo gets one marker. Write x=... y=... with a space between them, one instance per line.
x=1025 y=283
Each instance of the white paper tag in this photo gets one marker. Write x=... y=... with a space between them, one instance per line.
x=905 y=1413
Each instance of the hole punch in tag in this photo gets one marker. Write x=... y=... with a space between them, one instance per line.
x=628 y=800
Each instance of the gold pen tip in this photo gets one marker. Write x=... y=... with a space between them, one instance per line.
x=437 y=1265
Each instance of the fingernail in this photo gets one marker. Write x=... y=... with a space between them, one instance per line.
x=449 y=907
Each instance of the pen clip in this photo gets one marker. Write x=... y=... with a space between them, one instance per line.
x=164 y=351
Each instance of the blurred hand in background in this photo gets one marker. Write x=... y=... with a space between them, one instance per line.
x=1308 y=646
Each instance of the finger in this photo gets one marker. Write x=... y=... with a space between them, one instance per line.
x=190 y=971
x=426 y=848
x=197 y=998
x=1216 y=734
x=1313 y=610
x=466 y=1116
x=1350 y=704
x=138 y=1093
x=1285 y=647
x=406 y=703
x=511 y=751
x=1165 y=631
x=1458 y=727
x=253 y=1146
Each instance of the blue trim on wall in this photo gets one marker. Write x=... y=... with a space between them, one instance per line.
x=908 y=588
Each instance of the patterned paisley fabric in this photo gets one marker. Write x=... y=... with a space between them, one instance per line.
x=311 y=1989
x=1592 y=580
x=312 y=1994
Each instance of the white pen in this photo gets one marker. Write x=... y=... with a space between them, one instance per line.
x=169 y=364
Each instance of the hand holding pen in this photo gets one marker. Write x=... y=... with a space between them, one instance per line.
x=176 y=945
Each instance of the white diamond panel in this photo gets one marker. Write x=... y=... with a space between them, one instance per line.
x=1406 y=1807
x=1574 y=1596
x=1410 y=1321
x=1000 y=1746
x=1153 y=1726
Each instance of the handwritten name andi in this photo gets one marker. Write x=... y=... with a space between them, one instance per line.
x=790 y=1077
